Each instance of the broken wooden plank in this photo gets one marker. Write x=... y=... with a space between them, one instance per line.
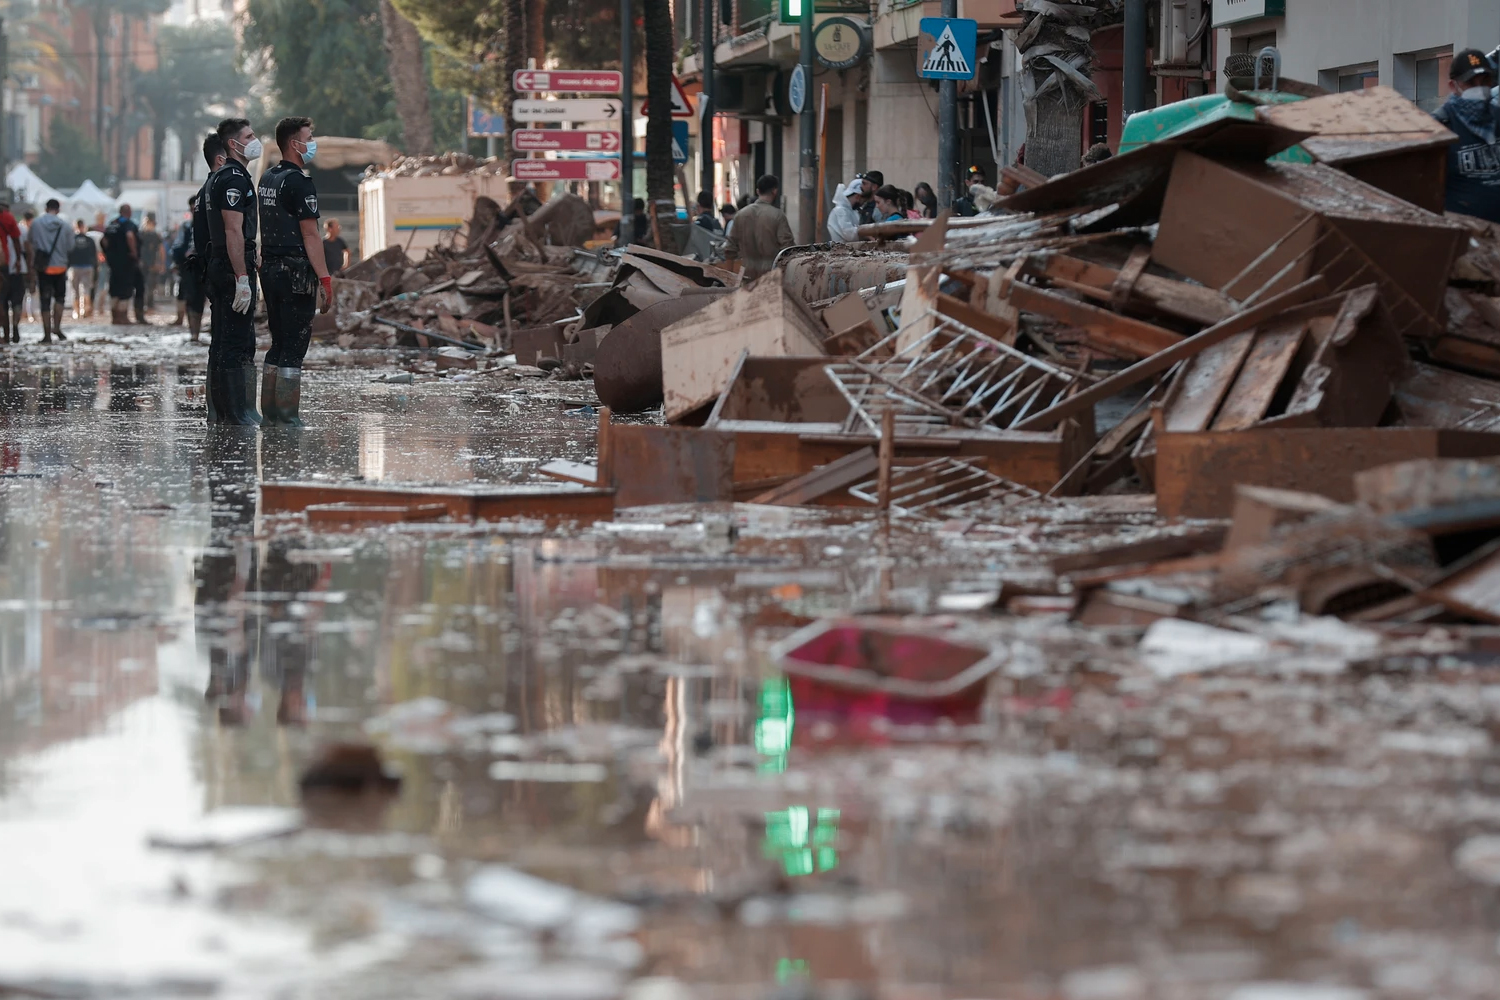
x=1160 y=362
x=839 y=474
x=1259 y=511
x=1164 y=295
x=1265 y=368
x=1199 y=389
x=1125 y=281
x=1151 y=550
x=461 y=503
x=1105 y=330
x=1196 y=473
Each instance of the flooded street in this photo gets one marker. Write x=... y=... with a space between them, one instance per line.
x=606 y=788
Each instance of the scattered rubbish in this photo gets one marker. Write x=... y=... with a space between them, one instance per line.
x=228 y=828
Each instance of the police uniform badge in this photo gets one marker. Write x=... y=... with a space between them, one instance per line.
x=232 y=196
x=312 y=203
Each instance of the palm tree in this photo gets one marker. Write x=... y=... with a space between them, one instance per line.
x=659 y=56
x=1057 y=58
x=403 y=50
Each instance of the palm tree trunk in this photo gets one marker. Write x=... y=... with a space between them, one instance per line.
x=1055 y=145
x=513 y=57
x=536 y=31
x=659 y=52
x=403 y=50
x=101 y=70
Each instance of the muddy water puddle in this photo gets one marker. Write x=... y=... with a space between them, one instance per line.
x=605 y=789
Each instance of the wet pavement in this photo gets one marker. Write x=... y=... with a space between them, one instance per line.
x=607 y=790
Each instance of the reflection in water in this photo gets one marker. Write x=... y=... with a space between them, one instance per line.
x=372 y=446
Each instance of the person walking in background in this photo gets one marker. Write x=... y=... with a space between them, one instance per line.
x=151 y=243
x=122 y=252
x=49 y=253
x=873 y=180
x=101 y=272
x=28 y=304
x=727 y=212
x=761 y=231
x=83 y=259
x=335 y=250
x=14 y=288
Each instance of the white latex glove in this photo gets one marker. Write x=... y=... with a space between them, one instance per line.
x=242 y=294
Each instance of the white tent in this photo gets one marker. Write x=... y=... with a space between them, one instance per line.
x=29 y=188
x=87 y=202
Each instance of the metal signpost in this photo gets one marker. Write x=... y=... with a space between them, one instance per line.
x=566 y=170
x=569 y=81
x=580 y=110
x=546 y=140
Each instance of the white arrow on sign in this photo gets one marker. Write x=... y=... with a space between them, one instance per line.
x=566 y=111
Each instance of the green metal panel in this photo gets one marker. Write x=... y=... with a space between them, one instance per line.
x=1168 y=120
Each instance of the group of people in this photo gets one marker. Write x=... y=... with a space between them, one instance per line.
x=232 y=219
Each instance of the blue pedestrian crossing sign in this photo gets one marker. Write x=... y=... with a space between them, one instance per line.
x=679 y=142
x=947 y=48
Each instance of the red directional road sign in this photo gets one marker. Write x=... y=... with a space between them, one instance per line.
x=565 y=170
x=573 y=81
x=530 y=139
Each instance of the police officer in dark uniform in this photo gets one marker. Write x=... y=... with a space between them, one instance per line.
x=293 y=269
x=193 y=270
x=233 y=219
x=1472 y=114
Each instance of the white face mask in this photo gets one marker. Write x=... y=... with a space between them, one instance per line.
x=1476 y=93
x=252 y=149
x=310 y=150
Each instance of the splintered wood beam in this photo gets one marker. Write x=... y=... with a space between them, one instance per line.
x=1108 y=331
x=1178 y=299
x=1308 y=290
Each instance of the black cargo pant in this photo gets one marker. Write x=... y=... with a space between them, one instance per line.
x=291 y=287
x=233 y=344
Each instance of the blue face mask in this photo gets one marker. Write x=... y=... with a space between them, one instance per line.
x=310 y=151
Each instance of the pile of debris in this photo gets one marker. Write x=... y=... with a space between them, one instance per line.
x=1262 y=330
x=446 y=165
x=488 y=294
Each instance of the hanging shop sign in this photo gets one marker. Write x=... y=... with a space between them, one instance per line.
x=1234 y=11
x=841 y=42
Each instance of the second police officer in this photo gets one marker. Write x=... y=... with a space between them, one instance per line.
x=293 y=268
x=232 y=221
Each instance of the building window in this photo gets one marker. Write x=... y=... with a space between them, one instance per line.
x=1350 y=78
x=1423 y=76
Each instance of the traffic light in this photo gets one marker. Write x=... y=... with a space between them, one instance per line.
x=791 y=11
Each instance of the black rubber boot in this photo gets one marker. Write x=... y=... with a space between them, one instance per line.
x=251 y=384
x=268 y=411
x=231 y=398
x=289 y=396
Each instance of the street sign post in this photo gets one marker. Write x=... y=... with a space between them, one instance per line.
x=566 y=170
x=679 y=142
x=946 y=48
x=566 y=111
x=573 y=81
x=546 y=140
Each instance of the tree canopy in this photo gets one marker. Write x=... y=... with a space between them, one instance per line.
x=325 y=59
x=195 y=81
x=71 y=157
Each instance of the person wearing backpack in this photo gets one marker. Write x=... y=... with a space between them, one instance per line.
x=122 y=253
x=50 y=255
x=83 y=259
